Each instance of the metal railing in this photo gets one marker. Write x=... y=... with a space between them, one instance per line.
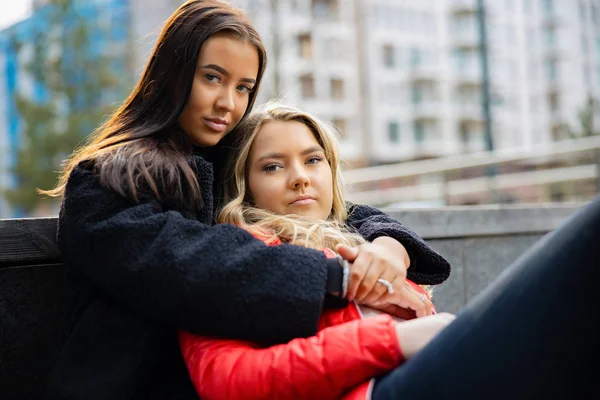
x=440 y=168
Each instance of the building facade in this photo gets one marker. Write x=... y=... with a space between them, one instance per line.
x=405 y=79
x=401 y=79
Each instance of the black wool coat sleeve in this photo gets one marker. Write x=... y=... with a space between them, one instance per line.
x=427 y=266
x=211 y=280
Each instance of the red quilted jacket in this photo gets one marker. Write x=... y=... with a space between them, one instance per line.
x=339 y=362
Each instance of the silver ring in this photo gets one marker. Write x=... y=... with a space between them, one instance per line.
x=387 y=284
x=422 y=297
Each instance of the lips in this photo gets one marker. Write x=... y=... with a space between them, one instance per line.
x=303 y=200
x=216 y=124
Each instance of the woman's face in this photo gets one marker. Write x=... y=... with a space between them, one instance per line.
x=226 y=73
x=287 y=171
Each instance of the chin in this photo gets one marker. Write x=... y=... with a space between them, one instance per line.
x=208 y=141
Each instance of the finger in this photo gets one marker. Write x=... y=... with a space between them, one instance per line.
x=369 y=280
x=398 y=284
x=348 y=253
x=380 y=291
x=408 y=297
x=358 y=272
x=419 y=302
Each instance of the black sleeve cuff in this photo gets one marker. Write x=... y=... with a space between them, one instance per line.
x=412 y=255
x=335 y=276
x=332 y=301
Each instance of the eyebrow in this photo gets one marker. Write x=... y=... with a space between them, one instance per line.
x=224 y=72
x=309 y=150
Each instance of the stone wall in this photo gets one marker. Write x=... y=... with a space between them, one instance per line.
x=480 y=242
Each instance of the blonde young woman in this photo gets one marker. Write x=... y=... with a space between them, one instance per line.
x=283 y=186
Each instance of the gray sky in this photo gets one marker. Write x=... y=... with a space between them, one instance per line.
x=12 y=11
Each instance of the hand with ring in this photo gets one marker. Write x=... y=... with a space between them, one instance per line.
x=378 y=276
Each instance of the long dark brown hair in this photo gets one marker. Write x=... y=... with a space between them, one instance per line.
x=141 y=147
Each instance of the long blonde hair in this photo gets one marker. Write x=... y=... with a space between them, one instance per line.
x=301 y=230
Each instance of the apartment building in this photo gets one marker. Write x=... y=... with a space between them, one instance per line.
x=404 y=79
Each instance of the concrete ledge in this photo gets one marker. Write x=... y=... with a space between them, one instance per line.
x=493 y=220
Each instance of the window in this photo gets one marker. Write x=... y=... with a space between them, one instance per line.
x=417 y=94
x=305 y=45
x=549 y=36
x=584 y=43
x=587 y=75
x=388 y=56
x=393 y=132
x=582 y=12
x=325 y=9
x=460 y=59
x=419 y=132
x=554 y=102
x=465 y=136
x=307 y=85
x=415 y=57
x=551 y=73
x=337 y=89
x=548 y=6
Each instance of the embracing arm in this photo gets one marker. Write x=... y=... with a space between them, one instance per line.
x=426 y=265
x=210 y=280
x=323 y=366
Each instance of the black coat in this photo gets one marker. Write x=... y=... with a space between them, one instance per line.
x=147 y=270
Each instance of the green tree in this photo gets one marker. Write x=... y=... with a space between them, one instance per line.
x=78 y=74
x=585 y=118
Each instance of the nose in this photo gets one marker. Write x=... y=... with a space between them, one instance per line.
x=300 y=178
x=225 y=101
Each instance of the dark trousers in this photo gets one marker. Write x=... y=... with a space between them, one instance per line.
x=532 y=334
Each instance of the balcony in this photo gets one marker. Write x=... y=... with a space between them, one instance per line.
x=463 y=7
x=425 y=73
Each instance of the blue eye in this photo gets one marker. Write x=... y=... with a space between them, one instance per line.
x=314 y=160
x=272 y=167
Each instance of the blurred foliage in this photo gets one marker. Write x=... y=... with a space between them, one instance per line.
x=586 y=125
x=73 y=79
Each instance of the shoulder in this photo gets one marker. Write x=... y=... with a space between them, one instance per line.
x=360 y=211
x=82 y=177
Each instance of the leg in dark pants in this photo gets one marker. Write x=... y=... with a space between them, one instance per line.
x=531 y=334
